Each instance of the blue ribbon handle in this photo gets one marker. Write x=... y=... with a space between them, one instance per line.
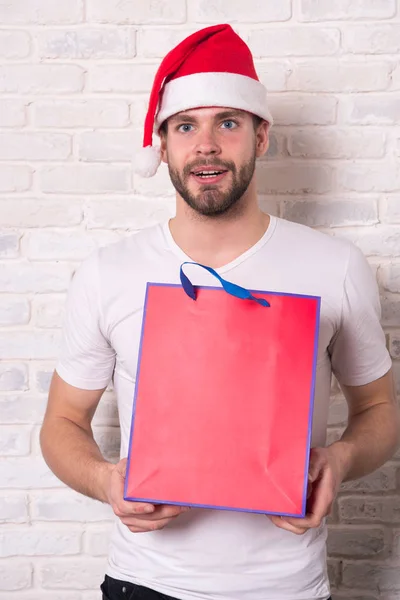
x=230 y=288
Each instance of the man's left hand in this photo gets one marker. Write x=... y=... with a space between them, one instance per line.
x=324 y=479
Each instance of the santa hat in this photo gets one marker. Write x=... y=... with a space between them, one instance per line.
x=212 y=67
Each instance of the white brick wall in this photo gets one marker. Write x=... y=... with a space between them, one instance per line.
x=74 y=78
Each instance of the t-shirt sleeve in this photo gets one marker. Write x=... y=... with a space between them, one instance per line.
x=86 y=359
x=358 y=350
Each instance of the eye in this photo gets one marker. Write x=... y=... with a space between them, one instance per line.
x=229 y=124
x=185 y=127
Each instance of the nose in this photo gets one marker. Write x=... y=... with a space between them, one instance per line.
x=207 y=144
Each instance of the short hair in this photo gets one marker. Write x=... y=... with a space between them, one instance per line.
x=256 y=123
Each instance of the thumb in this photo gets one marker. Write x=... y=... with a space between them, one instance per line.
x=315 y=466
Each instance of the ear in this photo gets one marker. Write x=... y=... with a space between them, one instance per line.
x=262 y=138
x=163 y=146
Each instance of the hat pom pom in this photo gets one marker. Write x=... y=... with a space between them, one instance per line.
x=147 y=161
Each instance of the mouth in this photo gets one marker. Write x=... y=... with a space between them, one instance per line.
x=209 y=175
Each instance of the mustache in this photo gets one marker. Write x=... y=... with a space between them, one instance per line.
x=224 y=164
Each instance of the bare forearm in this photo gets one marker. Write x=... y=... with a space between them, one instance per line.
x=72 y=454
x=370 y=439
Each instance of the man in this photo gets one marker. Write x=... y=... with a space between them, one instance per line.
x=210 y=110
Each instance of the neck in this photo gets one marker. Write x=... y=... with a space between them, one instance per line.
x=217 y=241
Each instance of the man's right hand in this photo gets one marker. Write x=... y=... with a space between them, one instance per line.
x=139 y=517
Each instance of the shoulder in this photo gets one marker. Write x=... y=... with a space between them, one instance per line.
x=315 y=248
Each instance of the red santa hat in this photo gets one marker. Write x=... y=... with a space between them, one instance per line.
x=212 y=67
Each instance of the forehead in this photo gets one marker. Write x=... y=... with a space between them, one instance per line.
x=213 y=112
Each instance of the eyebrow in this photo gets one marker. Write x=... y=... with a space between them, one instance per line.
x=228 y=114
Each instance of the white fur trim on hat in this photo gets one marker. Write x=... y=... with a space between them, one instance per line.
x=147 y=161
x=213 y=89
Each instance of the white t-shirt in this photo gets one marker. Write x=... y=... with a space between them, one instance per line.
x=212 y=554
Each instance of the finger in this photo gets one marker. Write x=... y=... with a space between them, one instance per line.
x=316 y=465
x=124 y=508
x=283 y=523
x=322 y=498
x=164 y=511
x=139 y=526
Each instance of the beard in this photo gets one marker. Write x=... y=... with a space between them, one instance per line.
x=211 y=201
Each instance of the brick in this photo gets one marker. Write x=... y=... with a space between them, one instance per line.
x=302 y=109
x=294 y=178
x=391 y=277
x=76 y=574
x=130 y=78
x=13 y=377
x=43 y=379
x=269 y=204
x=109 y=440
x=88 y=43
x=356 y=541
x=338 y=412
x=371 y=576
x=375 y=241
x=36 y=212
x=369 y=177
x=390 y=209
x=39 y=541
x=354 y=595
x=395 y=78
x=14 y=441
x=26 y=473
x=294 y=41
x=41 y=79
x=60 y=595
x=23 y=277
x=324 y=10
x=15 y=178
x=337 y=143
x=48 y=310
x=57 y=245
x=339 y=76
x=9 y=245
x=159 y=185
x=372 y=39
x=383 y=480
x=132 y=12
x=22 y=409
x=390 y=310
x=14 y=310
x=14 y=44
x=131 y=213
x=107 y=410
x=80 y=113
x=138 y=110
x=12 y=113
x=394 y=345
x=372 y=109
x=167 y=38
x=15 y=575
x=233 y=11
x=333 y=570
x=81 y=179
x=13 y=508
x=331 y=213
x=369 y=509
x=35 y=146
x=67 y=505
x=106 y=146
x=274 y=75
x=40 y=12
x=97 y=540
x=29 y=344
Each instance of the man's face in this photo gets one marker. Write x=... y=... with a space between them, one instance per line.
x=211 y=155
